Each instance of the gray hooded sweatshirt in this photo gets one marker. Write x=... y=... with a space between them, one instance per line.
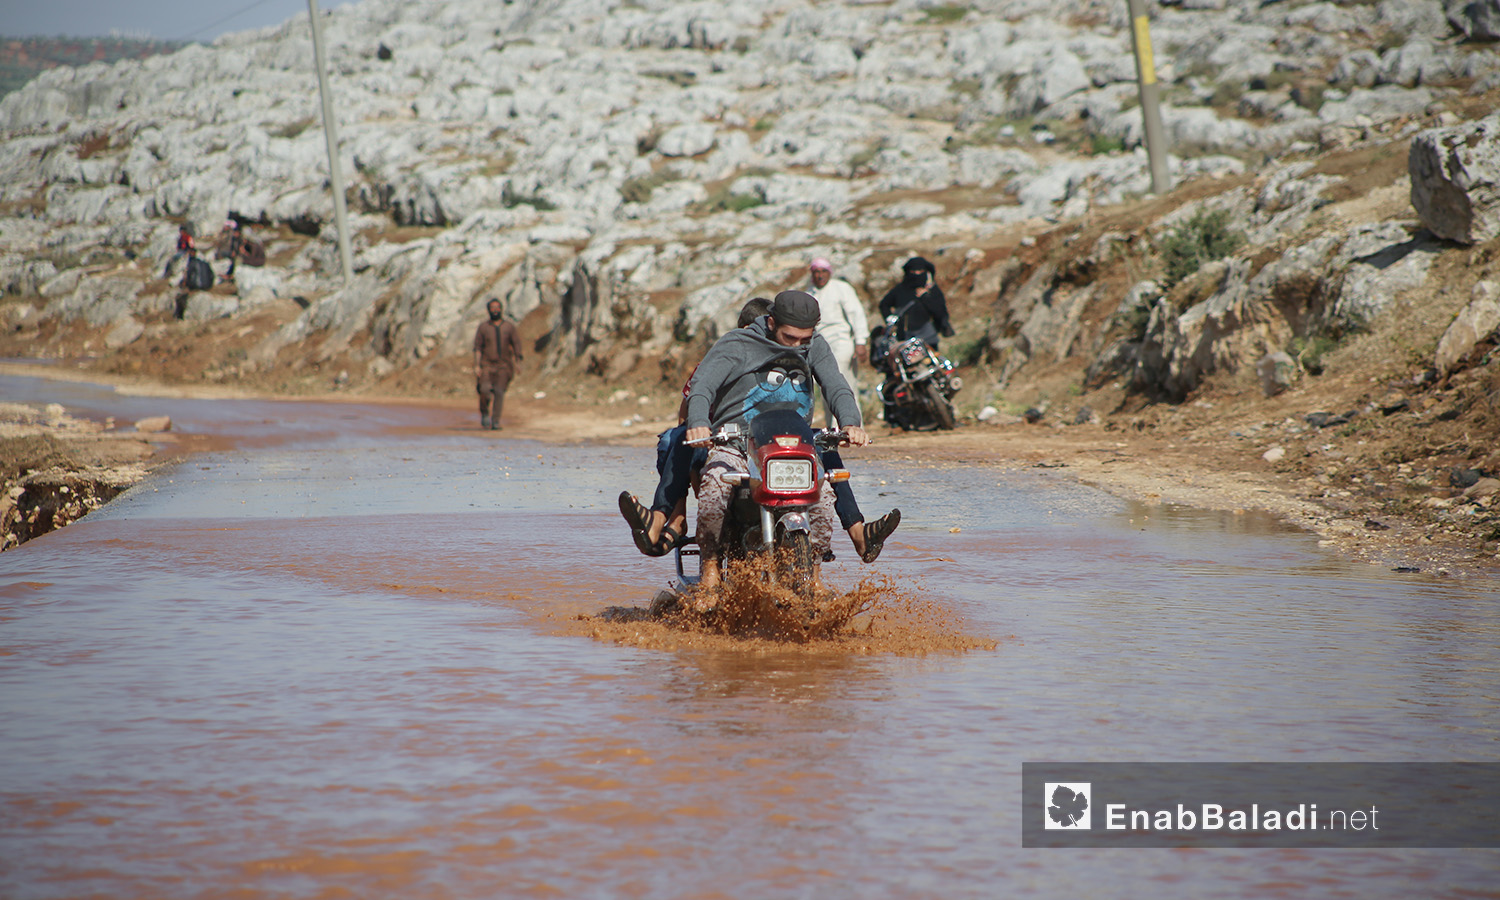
x=747 y=373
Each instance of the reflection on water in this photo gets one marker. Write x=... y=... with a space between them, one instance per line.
x=323 y=668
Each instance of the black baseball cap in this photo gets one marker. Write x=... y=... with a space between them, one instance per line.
x=797 y=309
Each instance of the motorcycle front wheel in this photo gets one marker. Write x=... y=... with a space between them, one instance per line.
x=942 y=408
x=794 y=563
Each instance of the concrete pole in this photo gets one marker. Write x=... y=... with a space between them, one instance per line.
x=1150 y=92
x=331 y=134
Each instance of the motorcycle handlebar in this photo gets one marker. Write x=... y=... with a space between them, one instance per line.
x=722 y=437
x=822 y=440
x=831 y=437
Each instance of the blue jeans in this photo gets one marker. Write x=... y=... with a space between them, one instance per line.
x=675 y=462
x=844 y=503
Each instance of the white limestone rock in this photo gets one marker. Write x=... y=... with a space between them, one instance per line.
x=124 y=331
x=987 y=166
x=689 y=139
x=202 y=306
x=1374 y=280
x=1455 y=180
x=1474 y=323
x=1380 y=104
x=1476 y=20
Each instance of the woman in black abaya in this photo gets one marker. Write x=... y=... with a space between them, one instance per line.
x=918 y=303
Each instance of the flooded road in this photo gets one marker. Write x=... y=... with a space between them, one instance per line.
x=336 y=661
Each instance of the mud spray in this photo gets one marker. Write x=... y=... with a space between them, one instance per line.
x=748 y=611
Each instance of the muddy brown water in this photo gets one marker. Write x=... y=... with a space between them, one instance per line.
x=340 y=660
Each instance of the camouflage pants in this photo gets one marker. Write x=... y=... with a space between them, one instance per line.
x=714 y=494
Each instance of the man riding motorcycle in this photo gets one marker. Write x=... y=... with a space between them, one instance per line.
x=660 y=528
x=752 y=370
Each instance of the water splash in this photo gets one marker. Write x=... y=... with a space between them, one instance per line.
x=747 y=610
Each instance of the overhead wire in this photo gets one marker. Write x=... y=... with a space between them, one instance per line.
x=215 y=24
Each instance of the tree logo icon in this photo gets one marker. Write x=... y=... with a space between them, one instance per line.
x=1067 y=805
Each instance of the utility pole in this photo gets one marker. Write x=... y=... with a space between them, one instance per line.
x=331 y=134
x=1150 y=92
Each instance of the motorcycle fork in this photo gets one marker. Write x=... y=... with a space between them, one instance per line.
x=795 y=520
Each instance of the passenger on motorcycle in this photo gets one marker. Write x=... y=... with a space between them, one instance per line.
x=662 y=528
x=753 y=370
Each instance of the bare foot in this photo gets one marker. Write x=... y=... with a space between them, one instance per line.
x=703 y=599
x=708 y=571
x=857 y=537
x=654 y=525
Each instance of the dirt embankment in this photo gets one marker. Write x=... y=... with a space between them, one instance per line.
x=55 y=468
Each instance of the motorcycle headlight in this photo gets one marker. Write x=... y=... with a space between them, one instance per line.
x=789 y=475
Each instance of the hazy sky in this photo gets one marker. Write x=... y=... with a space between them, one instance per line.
x=199 y=20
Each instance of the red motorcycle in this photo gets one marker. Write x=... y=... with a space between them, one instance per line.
x=770 y=507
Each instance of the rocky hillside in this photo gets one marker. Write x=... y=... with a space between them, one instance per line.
x=624 y=174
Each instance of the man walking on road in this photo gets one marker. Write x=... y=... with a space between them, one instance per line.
x=497 y=355
x=843 y=324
